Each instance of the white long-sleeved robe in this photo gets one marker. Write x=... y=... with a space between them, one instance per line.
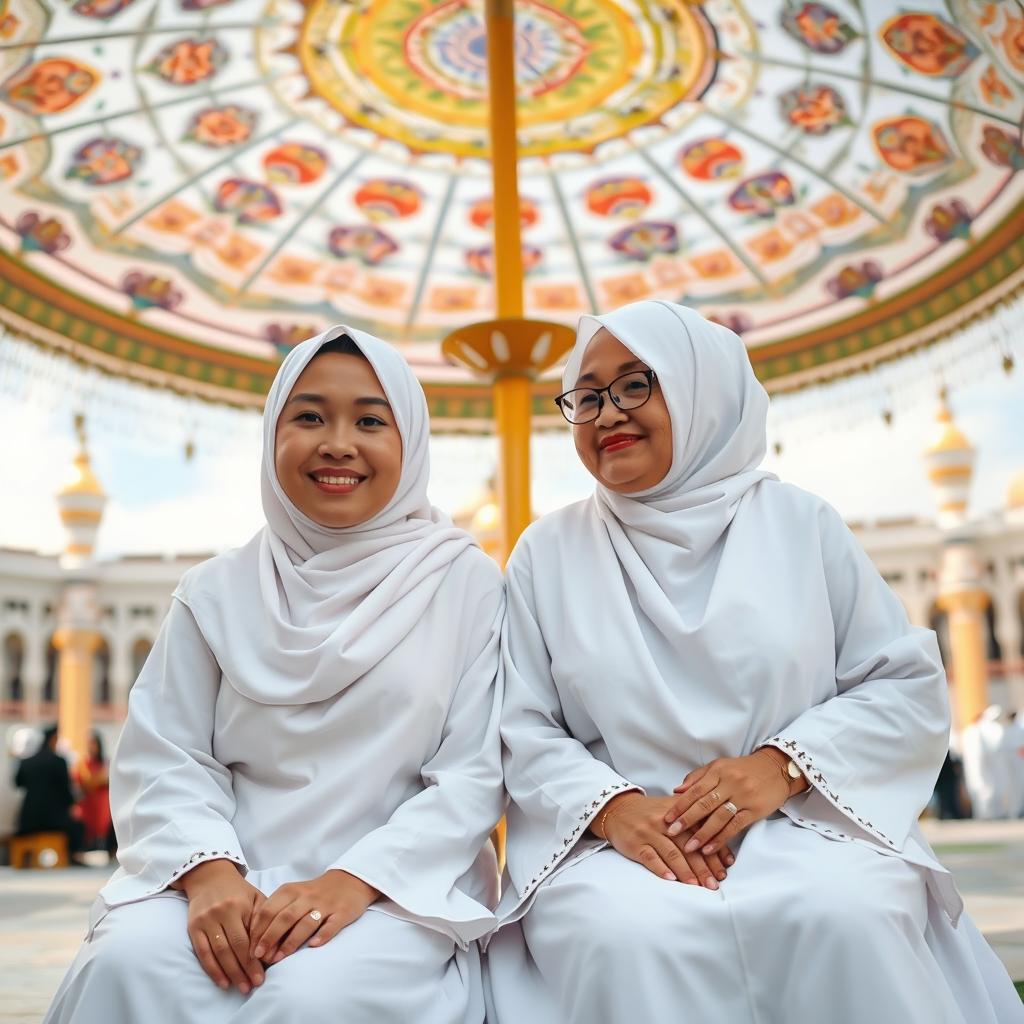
x=396 y=779
x=836 y=908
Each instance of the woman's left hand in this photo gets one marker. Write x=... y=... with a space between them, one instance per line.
x=313 y=912
x=728 y=795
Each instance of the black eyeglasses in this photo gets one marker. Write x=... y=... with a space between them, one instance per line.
x=630 y=391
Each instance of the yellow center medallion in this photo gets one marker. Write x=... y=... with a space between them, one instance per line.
x=586 y=70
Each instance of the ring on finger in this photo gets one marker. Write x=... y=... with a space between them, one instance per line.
x=315 y=915
x=715 y=797
x=731 y=807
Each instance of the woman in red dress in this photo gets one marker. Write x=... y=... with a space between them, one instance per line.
x=94 y=806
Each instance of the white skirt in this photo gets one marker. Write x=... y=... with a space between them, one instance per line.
x=803 y=929
x=137 y=967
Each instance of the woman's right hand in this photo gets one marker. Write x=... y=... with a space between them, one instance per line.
x=634 y=826
x=221 y=905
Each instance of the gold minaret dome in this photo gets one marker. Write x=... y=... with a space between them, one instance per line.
x=951 y=438
x=80 y=504
x=82 y=479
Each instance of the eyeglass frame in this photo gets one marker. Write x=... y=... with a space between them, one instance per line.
x=649 y=374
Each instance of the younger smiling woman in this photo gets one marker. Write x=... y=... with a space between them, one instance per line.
x=310 y=767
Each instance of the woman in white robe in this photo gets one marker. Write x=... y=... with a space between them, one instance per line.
x=310 y=767
x=698 y=626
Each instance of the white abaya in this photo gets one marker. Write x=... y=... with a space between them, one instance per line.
x=719 y=612
x=265 y=728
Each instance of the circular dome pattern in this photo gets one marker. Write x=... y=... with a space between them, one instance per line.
x=190 y=187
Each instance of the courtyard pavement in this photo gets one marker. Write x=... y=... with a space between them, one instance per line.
x=43 y=913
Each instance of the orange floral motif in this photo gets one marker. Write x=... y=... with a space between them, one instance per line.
x=1013 y=41
x=189 y=60
x=173 y=217
x=835 y=210
x=715 y=264
x=770 y=246
x=453 y=299
x=928 y=44
x=8 y=22
x=49 y=86
x=555 y=297
x=293 y=270
x=627 y=288
x=222 y=126
x=237 y=251
x=993 y=89
x=380 y=291
x=911 y=144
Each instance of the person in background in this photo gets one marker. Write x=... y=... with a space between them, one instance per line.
x=48 y=797
x=91 y=778
x=1013 y=751
x=986 y=768
x=947 y=788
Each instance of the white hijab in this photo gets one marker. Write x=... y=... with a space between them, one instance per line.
x=304 y=610
x=666 y=538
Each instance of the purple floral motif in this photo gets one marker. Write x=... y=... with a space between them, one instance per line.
x=39 y=235
x=367 y=244
x=817 y=27
x=645 y=239
x=148 y=291
x=949 y=220
x=104 y=161
x=202 y=5
x=481 y=259
x=101 y=9
x=250 y=201
x=763 y=194
x=1002 y=148
x=284 y=337
x=738 y=323
x=856 y=279
x=814 y=109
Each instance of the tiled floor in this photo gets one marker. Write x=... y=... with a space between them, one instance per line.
x=43 y=914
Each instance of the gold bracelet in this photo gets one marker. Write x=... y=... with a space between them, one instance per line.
x=606 y=810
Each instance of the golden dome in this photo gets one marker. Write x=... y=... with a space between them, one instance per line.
x=1015 y=492
x=82 y=480
x=951 y=438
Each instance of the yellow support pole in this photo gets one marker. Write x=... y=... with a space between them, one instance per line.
x=965 y=611
x=501 y=80
x=76 y=649
x=511 y=389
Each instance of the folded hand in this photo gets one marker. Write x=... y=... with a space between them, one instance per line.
x=310 y=912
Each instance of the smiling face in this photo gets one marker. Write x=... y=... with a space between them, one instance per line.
x=626 y=450
x=338 y=451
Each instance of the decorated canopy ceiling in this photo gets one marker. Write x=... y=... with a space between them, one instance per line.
x=189 y=187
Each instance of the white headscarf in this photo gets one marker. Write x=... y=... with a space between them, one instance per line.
x=304 y=610
x=665 y=537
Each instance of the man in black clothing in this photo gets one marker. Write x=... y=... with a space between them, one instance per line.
x=48 y=798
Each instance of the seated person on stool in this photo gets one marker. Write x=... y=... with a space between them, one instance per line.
x=48 y=798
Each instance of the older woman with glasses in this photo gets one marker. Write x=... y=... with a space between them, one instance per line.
x=719 y=729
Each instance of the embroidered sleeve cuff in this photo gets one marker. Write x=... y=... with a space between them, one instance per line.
x=815 y=778
x=565 y=843
x=200 y=857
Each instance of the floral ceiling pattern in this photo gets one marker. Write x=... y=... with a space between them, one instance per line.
x=189 y=187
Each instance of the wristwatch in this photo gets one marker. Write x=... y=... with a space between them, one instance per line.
x=789 y=768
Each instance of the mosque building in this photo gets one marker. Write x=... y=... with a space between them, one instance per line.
x=75 y=631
